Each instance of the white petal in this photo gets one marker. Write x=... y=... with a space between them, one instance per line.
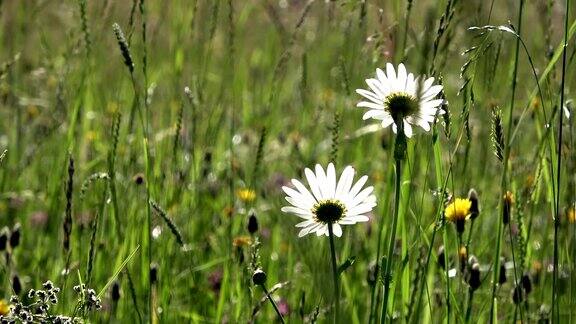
x=356 y=219
x=376 y=87
x=402 y=75
x=330 y=181
x=431 y=103
x=313 y=183
x=297 y=211
x=368 y=95
x=344 y=183
x=387 y=122
x=432 y=92
x=306 y=223
x=407 y=129
x=411 y=85
x=357 y=187
x=303 y=191
x=361 y=209
x=370 y=105
x=337 y=230
x=307 y=230
x=424 y=124
x=305 y=201
x=323 y=229
x=427 y=84
x=360 y=197
x=390 y=73
x=381 y=76
x=322 y=182
x=376 y=114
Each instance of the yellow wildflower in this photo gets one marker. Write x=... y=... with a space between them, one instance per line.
x=242 y=241
x=246 y=195
x=458 y=211
x=4 y=307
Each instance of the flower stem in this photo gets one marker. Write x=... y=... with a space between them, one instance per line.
x=334 y=272
x=387 y=276
x=273 y=303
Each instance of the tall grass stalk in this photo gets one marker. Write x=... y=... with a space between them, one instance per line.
x=503 y=181
x=514 y=269
x=555 y=302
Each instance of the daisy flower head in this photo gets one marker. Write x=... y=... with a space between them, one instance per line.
x=399 y=95
x=329 y=201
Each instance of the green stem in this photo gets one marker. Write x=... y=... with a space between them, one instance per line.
x=334 y=272
x=556 y=311
x=469 y=307
x=469 y=235
x=387 y=276
x=514 y=266
x=496 y=267
x=273 y=303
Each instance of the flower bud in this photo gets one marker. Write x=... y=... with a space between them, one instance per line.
x=16 y=285
x=153 y=273
x=502 y=278
x=252 y=223
x=508 y=202
x=474 y=279
x=115 y=293
x=259 y=277
x=526 y=283
x=4 y=233
x=15 y=235
x=475 y=206
x=441 y=257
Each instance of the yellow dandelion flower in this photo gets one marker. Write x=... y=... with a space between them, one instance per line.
x=458 y=212
x=242 y=241
x=246 y=195
x=571 y=215
x=4 y=307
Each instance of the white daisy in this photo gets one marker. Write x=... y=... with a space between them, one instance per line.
x=394 y=94
x=329 y=201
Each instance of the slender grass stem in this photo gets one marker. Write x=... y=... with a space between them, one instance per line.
x=469 y=306
x=514 y=267
x=555 y=303
x=468 y=240
x=334 y=273
x=496 y=267
x=387 y=276
x=273 y=303
x=447 y=273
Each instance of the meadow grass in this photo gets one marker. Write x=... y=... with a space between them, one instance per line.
x=144 y=146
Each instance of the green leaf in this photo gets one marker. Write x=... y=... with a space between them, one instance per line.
x=347 y=264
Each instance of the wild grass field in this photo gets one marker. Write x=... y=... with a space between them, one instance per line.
x=156 y=157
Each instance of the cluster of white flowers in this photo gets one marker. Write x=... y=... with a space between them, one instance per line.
x=394 y=96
